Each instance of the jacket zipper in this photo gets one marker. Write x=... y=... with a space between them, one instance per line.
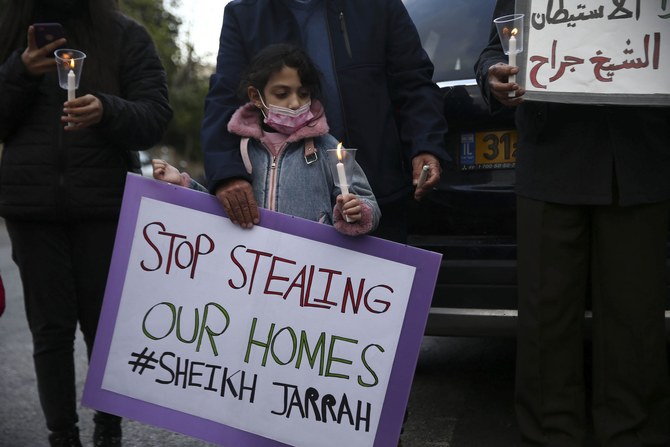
x=337 y=78
x=271 y=196
x=61 y=196
x=343 y=27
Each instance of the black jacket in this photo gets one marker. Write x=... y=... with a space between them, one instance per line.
x=48 y=174
x=585 y=154
x=392 y=109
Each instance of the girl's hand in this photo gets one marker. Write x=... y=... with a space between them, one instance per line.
x=36 y=60
x=350 y=206
x=166 y=172
x=82 y=112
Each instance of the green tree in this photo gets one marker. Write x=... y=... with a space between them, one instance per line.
x=187 y=76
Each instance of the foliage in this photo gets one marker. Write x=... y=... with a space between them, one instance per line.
x=161 y=24
x=188 y=81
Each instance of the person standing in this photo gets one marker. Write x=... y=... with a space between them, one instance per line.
x=378 y=95
x=63 y=172
x=593 y=188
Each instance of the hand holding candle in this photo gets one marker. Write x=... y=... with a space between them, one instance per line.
x=510 y=32
x=69 y=64
x=342 y=165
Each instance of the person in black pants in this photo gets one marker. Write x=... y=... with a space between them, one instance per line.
x=593 y=187
x=64 y=165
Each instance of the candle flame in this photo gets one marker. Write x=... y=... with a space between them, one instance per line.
x=71 y=64
x=514 y=32
x=339 y=151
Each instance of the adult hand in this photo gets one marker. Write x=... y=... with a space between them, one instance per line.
x=82 y=112
x=36 y=60
x=433 y=178
x=237 y=198
x=499 y=86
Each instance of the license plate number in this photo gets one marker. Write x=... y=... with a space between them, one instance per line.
x=488 y=150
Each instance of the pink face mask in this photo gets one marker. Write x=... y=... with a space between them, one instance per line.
x=285 y=120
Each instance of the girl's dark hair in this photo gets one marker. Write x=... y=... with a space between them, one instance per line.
x=91 y=28
x=271 y=60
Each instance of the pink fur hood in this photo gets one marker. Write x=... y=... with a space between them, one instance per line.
x=246 y=122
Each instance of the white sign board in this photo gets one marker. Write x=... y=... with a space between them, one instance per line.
x=596 y=51
x=286 y=334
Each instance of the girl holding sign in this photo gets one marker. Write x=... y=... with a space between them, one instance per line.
x=284 y=146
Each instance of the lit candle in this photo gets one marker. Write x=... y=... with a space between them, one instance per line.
x=71 y=82
x=512 y=59
x=344 y=187
x=71 y=85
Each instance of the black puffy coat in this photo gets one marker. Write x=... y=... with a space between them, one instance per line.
x=48 y=174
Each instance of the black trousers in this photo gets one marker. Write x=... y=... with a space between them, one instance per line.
x=63 y=269
x=617 y=255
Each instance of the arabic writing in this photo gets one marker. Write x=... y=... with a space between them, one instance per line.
x=603 y=67
x=620 y=11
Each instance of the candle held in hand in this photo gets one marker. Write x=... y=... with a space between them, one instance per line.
x=343 y=179
x=71 y=85
x=341 y=176
x=512 y=59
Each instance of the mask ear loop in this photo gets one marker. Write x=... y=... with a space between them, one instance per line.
x=262 y=102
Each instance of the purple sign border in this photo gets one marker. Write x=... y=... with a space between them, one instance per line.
x=388 y=431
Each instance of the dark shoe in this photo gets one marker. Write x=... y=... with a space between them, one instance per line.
x=67 y=438
x=107 y=432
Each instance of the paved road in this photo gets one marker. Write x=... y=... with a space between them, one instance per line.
x=461 y=396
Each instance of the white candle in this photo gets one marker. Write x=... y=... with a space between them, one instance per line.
x=343 y=179
x=341 y=176
x=343 y=183
x=71 y=83
x=512 y=61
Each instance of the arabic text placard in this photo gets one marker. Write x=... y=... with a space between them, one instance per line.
x=596 y=51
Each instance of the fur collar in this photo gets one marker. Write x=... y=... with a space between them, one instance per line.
x=246 y=122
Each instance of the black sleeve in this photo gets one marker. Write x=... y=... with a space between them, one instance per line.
x=492 y=54
x=138 y=117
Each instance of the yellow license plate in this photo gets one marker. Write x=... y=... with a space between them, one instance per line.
x=488 y=150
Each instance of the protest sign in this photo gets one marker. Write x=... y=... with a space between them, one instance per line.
x=286 y=334
x=596 y=51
